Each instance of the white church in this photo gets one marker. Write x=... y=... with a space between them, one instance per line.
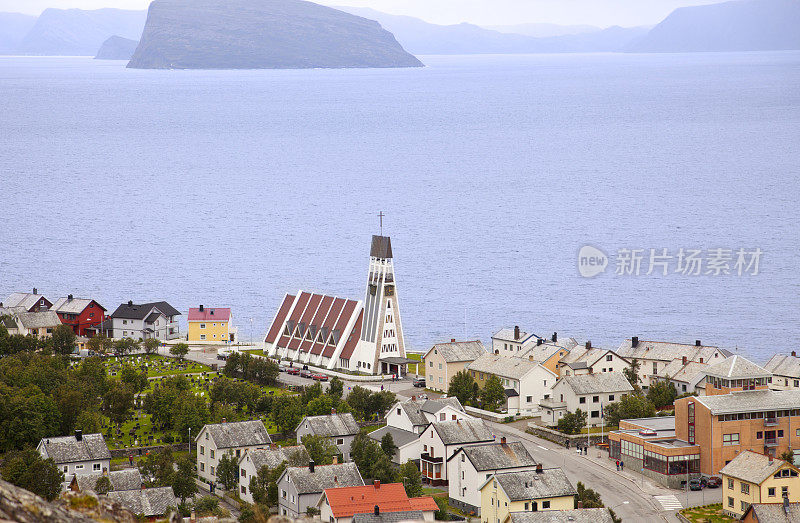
x=341 y=334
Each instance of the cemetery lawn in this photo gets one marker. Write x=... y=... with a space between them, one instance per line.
x=156 y=365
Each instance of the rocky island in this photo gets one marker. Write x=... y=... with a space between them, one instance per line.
x=117 y=48
x=262 y=34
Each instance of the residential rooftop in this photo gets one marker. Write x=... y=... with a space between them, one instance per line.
x=70 y=305
x=737 y=367
x=752 y=467
x=504 y=366
x=133 y=311
x=597 y=383
x=400 y=437
x=331 y=425
x=741 y=401
x=462 y=431
x=526 y=485
x=125 y=479
x=272 y=457
x=581 y=515
x=324 y=477
x=389 y=497
x=237 y=434
x=209 y=314
x=775 y=512
x=459 y=350
x=497 y=456
x=69 y=449
x=147 y=502
x=668 y=351
x=784 y=365
x=38 y=320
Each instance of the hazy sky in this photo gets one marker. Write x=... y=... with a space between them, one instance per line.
x=486 y=12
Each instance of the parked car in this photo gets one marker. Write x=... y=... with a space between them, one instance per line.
x=282 y=368
x=714 y=482
x=695 y=484
x=293 y=371
x=419 y=382
x=319 y=377
x=305 y=373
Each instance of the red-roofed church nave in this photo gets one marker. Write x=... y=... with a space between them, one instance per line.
x=342 y=334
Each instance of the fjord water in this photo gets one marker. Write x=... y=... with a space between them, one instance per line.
x=229 y=188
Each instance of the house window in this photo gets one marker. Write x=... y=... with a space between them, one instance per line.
x=202 y=467
x=545 y=504
x=96 y=466
x=202 y=325
x=202 y=336
x=771 y=492
x=78 y=467
x=780 y=433
x=759 y=434
x=206 y=435
x=244 y=489
x=595 y=413
x=283 y=494
x=609 y=358
x=440 y=366
x=398 y=412
x=526 y=506
x=202 y=450
x=595 y=399
x=340 y=441
x=244 y=473
x=730 y=483
x=529 y=399
x=785 y=491
x=745 y=488
x=430 y=364
x=730 y=439
x=442 y=416
x=655 y=367
x=745 y=505
x=730 y=502
x=610 y=397
x=212 y=470
x=211 y=451
x=66 y=468
x=581 y=400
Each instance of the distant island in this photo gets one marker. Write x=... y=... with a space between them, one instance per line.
x=268 y=34
x=117 y=48
x=745 y=25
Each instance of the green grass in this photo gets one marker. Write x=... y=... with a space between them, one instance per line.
x=708 y=513
x=598 y=430
x=372 y=428
x=157 y=366
x=255 y=352
x=412 y=367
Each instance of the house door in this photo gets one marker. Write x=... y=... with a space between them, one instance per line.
x=534 y=506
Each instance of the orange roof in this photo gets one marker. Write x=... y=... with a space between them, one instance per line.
x=391 y=497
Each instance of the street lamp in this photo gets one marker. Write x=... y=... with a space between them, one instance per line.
x=190 y=441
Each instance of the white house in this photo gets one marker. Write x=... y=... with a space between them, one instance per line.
x=785 y=369
x=654 y=356
x=78 y=454
x=407 y=443
x=526 y=382
x=253 y=460
x=588 y=392
x=470 y=466
x=442 y=439
x=234 y=438
x=685 y=376
x=301 y=487
x=40 y=324
x=125 y=479
x=509 y=342
x=415 y=415
x=340 y=428
x=591 y=360
x=157 y=320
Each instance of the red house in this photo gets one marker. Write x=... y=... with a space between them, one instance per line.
x=83 y=315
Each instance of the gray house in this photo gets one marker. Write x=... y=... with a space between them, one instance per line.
x=253 y=460
x=78 y=454
x=150 y=502
x=301 y=487
x=157 y=320
x=125 y=479
x=341 y=428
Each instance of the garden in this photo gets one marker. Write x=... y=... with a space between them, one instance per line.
x=706 y=514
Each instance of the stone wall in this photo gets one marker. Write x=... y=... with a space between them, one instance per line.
x=141 y=451
x=562 y=439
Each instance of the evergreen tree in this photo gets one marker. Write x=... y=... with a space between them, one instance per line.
x=493 y=394
x=387 y=445
x=183 y=483
x=410 y=476
x=63 y=340
x=27 y=469
x=228 y=471
x=320 y=449
x=463 y=387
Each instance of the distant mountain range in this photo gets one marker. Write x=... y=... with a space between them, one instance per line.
x=745 y=25
x=420 y=37
x=268 y=34
x=117 y=48
x=13 y=28
x=79 y=32
x=544 y=30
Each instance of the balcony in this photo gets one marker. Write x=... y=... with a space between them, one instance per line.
x=770 y=442
x=770 y=422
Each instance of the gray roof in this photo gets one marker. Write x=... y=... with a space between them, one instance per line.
x=784 y=365
x=459 y=350
x=667 y=351
x=140 y=311
x=238 y=434
x=543 y=352
x=750 y=401
x=147 y=502
x=737 y=367
x=324 y=477
x=389 y=517
x=24 y=300
x=66 y=449
x=7 y=321
x=381 y=247
x=400 y=437
x=434 y=406
x=415 y=409
x=507 y=334
x=38 y=320
x=532 y=485
x=578 y=515
x=73 y=306
x=776 y=512
x=125 y=479
x=331 y=424
x=498 y=456
x=600 y=382
x=676 y=370
x=752 y=467
x=272 y=458
x=504 y=366
x=584 y=355
x=462 y=431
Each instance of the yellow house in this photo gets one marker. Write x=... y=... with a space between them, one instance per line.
x=755 y=478
x=445 y=360
x=526 y=491
x=210 y=325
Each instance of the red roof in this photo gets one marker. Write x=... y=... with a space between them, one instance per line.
x=278 y=321
x=352 y=341
x=210 y=314
x=392 y=497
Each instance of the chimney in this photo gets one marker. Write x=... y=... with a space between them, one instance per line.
x=224 y=420
x=697 y=343
x=580 y=504
x=311 y=466
x=591 y=371
x=701 y=360
x=635 y=341
x=588 y=345
x=771 y=457
x=335 y=460
x=201 y=308
x=376 y=483
x=34 y=291
x=516 y=332
x=143 y=486
x=503 y=440
x=684 y=360
x=78 y=435
x=130 y=303
x=539 y=341
x=794 y=353
x=452 y=340
x=377 y=510
x=555 y=337
x=69 y=297
x=413 y=398
x=539 y=468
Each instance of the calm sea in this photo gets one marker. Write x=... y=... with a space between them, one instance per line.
x=231 y=188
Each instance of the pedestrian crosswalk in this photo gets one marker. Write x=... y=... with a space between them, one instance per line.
x=669 y=502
